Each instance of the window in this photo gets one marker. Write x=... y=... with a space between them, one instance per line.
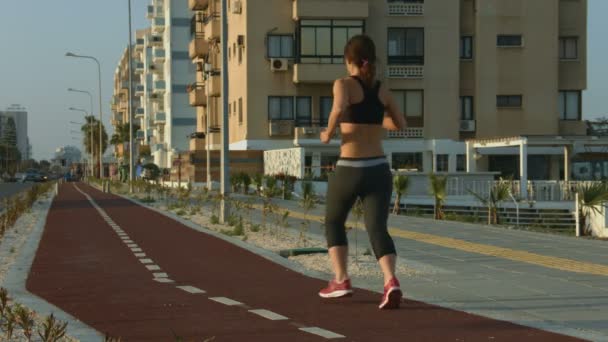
x=303 y=111
x=406 y=46
x=569 y=105
x=280 y=46
x=240 y=110
x=568 y=48
x=509 y=40
x=240 y=50
x=466 y=47
x=326 y=104
x=442 y=162
x=509 y=101
x=411 y=102
x=461 y=162
x=407 y=161
x=323 y=41
x=280 y=108
x=466 y=108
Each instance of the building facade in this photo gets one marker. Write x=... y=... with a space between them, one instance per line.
x=19 y=115
x=162 y=71
x=465 y=69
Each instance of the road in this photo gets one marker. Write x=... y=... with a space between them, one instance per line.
x=10 y=189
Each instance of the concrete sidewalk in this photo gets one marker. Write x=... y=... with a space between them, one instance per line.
x=137 y=274
x=542 y=280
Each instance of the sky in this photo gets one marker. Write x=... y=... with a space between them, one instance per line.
x=34 y=72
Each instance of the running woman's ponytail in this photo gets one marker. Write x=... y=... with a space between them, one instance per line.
x=361 y=51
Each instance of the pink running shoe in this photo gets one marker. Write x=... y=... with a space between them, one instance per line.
x=337 y=290
x=392 y=295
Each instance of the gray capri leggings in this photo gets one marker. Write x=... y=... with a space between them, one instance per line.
x=374 y=185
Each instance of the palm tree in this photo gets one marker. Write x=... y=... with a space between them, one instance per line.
x=400 y=183
x=92 y=124
x=591 y=196
x=438 y=190
x=498 y=193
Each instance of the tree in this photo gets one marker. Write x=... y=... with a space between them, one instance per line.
x=438 y=190
x=400 y=183
x=45 y=165
x=591 y=197
x=92 y=124
x=498 y=194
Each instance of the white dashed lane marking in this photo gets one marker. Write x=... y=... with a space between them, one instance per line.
x=146 y=261
x=132 y=245
x=322 y=332
x=163 y=280
x=136 y=250
x=192 y=289
x=160 y=275
x=140 y=255
x=226 y=301
x=153 y=267
x=269 y=315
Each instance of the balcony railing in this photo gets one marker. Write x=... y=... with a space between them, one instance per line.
x=139 y=68
x=198 y=97
x=160 y=118
x=406 y=8
x=411 y=132
x=150 y=12
x=467 y=126
x=139 y=90
x=139 y=44
x=212 y=27
x=199 y=47
x=160 y=87
x=158 y=25
x=139 y=113
x=406 y=71
x=156 y=41
x=215 y=85
x=280 y=128
x=140 y=135
x=158 y=55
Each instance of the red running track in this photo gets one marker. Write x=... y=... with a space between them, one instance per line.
x=83 y=267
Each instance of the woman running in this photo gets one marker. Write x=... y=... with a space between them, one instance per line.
x=364 y=109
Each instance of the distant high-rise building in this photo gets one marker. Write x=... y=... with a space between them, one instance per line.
x=19 y=115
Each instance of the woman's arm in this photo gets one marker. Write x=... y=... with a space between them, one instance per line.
x=339 y=106
x=394 y=120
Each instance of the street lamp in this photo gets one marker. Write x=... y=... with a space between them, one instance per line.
x=92 y=167
x=225 y=177
x=70 y=54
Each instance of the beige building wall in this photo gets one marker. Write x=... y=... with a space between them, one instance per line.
x=533 y=70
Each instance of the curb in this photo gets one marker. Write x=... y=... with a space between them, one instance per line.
x=17 y=277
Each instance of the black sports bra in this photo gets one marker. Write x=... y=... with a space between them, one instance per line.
x=370 y=110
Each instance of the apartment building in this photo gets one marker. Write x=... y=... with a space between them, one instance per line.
x=19 y=115
x=463 y=69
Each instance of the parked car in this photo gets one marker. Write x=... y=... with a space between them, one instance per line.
x=31 y=177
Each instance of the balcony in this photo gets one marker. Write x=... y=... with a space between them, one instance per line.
x=212 y=27
x=158 y=55
x=572 y=127
x=139 y=113
x=406 y=71
x=139 y=90
x=317 y=73
x=411 y=132
x=160 y=118
x=215 y=85
x=198 y=98
x=158 y=25
x=156 y=41
x=281 y=128
x=406 y=8
x=140 y=135
x=198 y=5
x=139 y=68
x=467 y=126
x=150 y=12
x=139 y=44
x=160 y=87
x=330 y=9
x=310 y=132
x=199 y=47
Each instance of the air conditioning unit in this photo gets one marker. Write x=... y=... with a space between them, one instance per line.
x=278 y=64
x=467 y=125
x=236 y=6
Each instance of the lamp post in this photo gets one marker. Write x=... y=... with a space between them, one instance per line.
x=70 y=54
x=131 y=145
x=225 y=174
x=91 y=151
